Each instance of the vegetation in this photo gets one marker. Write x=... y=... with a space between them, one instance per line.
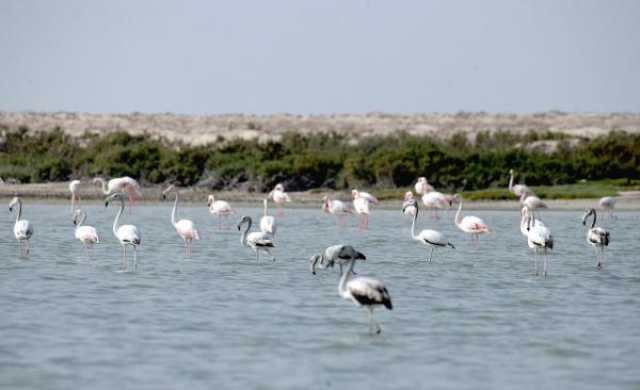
x=479 y=168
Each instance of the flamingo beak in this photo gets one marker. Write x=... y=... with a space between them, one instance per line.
x=10 y=209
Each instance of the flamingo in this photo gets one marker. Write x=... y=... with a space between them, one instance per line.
x=22 y=229
x=267 y=222
x=279 y=196
x=539 y=238
x=436 y=200
x=220 y=208
x=430 y=238
x=185 y=228
x=596 y=236
x=608 y=203
x=516 y=189
x=364 y=291
x=87 y=235
x=336 y=207
x=74 y=186
x=257 y=241
x=335 y=253
x=361 y=201
x=407 y=205
x=119 y=184
x=128 y=235
x=422 y=186
x=531 y=201
x=470 y=224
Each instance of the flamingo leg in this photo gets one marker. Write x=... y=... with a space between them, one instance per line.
x=545 y=265
x=535 y=261
x=135 y=258
x=26 y=247
x=257 y=255
x=124 y=257
x=430 y=255
x=373 y=326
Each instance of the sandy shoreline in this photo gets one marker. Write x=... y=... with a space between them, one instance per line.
x=59 y=193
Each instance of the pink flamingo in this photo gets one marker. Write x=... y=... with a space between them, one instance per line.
x=120 y=184
x=470 y=224
x=422 y=186
x=220 y=208
x=527 y=199
x=279 y=196
x=86 y=234
x=516 y=189
x=608 y=203
x=436 y=200
x=184 y=227
x=361 y=202
x=336 y=207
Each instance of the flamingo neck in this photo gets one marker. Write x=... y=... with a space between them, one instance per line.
x=264 y=202
x=510 y=181
x=458 y=218
x=243 y=238
x=413 y=224
x=342 y=286
x=19 y=215
x=593 y=224
x=174 y=211
x=116 y=221
x=83 y=217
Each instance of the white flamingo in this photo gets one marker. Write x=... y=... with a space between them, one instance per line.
x=361 y=204
x=422 y=186
x=539 y=238
x=340 y=254
x=22 y=229
x=531 y=201
x=185 y=228
x=267 y=222
x=74 y=186
x=470 y=224
x=516 y=189
x=596 y=236
x=279 y=196
x=428 y=237
x=362 y=291
x=119 y=184
x=435 y=201
x=608 y=203
x=87 y=235
x=128 y=235
x=257 y=241
x=407 y=205
x=219 y=208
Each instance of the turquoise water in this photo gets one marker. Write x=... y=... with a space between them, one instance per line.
x=477 y=317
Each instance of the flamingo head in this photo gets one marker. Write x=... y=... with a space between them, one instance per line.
x=511 y=171
x=408 y=195
x=77 y=216
x=313 y=261
x=325 y=204
x=14 y=201
x=210 y=200
x=243 y=220
x=422 y=179
x=355 y=193
x=163 y=196
x=115 y=196
x=279 y=187
x=414 y=203
x=455 y=198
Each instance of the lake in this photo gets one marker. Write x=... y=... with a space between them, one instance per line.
x=476 y=317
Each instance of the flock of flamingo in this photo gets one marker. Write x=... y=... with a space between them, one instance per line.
x=362 y=291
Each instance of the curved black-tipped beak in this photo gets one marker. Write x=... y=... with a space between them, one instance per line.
x=10 y=209
x=106 y=204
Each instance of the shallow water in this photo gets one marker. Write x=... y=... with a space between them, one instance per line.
x=476 y=317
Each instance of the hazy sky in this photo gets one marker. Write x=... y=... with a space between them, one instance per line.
x=324 y=56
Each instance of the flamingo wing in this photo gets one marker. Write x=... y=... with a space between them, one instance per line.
x=369 y=291
x=129 y=234
x=23 y=230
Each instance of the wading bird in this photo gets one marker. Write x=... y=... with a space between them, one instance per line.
x=540 y=239
x=74 y=186
x=120 y=184
x=361 y=201
x=596 y=236
x=22 y=229
x=524 y=212
x=422 y=186
x=257 y=241
x=608 y=203
x=516 y=189
x=267 y=222
x=185 y=228
x=340 y=254
x=279 y=197
x=128 y=235
x=336 y=207
x=219 y=208
x=470 y=224
x=87 y=235
x=436 y=200
x=362 y=291
x=428 y=237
